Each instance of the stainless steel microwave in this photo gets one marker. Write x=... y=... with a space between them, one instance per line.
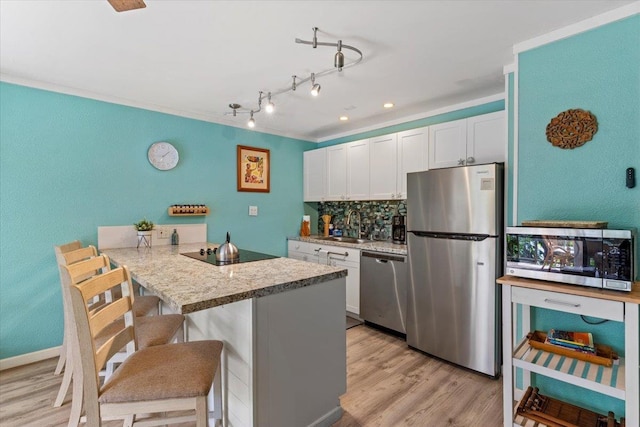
x=600 y=258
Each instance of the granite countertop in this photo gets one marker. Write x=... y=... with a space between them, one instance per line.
x=373 y=245
x=190 y=285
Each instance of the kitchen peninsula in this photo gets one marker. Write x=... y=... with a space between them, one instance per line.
x=282 y=322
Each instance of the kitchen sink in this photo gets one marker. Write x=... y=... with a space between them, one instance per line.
x=343 y=239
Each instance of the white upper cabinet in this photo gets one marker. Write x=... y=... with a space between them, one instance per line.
x=479 y=139
x=487 y=138
x=358 y=170
x=392 y=157
x=448 y=144
x=376 y=168
x=383 y=173
x=336 y=172
x=413 y=147
x=348 y=171
x=315 y=174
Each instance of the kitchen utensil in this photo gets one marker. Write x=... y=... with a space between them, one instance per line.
x=227 y=251
x=326 y=219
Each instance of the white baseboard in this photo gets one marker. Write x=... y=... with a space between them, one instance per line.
x=25 y=359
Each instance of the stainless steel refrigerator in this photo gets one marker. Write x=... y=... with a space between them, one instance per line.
x=454 y=237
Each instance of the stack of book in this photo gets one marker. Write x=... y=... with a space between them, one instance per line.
x=578 y=341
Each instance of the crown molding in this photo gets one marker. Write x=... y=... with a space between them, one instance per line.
x=419 y=116
x=579 y=27
x=66 y=90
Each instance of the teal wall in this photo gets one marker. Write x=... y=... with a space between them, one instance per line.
x=70 y=164
x=432 y=120
x=599 y=71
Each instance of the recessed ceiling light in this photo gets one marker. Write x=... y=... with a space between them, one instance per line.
x=388 y=105
x=344 y=118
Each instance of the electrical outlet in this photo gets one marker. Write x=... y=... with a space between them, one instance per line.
x=163 y=233
x=253 y=211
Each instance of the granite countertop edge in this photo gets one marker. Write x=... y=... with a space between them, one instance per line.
x=375 y=245
x=262 y=292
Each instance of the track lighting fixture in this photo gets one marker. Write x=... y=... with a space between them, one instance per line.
x=234 y=107
x=269 y=107
x=338 y=64
x=315 y=87
x=338 y=59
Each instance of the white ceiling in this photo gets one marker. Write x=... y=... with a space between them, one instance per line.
x=193 y=58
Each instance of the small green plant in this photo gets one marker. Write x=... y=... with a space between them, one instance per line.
x=143 y=225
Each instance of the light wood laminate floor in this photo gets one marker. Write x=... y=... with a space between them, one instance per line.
x=388 y=385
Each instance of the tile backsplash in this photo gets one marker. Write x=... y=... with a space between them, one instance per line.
x=376 y=216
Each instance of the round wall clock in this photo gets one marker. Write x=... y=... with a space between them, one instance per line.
x=163 y=155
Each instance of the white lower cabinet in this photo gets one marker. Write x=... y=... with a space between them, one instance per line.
x=620 y=381
x=337 y=256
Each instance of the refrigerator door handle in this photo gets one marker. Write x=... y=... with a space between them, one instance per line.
x=454 y=236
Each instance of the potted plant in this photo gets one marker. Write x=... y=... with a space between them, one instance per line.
x=144 y=228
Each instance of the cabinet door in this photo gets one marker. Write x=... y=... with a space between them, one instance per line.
x=383 y=174
x=353 y=289
x=315 y=169
x=486 y=138
x=447 y=144
x=358 y=170
x=336 y=172
x=353 y=283
x=413 y=146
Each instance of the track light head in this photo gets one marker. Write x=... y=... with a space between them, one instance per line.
x=251 y=123
x=315 y=87
x=270 y=107
x=338 y=59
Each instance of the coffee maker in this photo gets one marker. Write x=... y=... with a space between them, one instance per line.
x=398 y=229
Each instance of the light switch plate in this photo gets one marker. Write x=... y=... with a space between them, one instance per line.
x=253 y=211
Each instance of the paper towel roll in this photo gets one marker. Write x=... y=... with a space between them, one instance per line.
x=323 y=256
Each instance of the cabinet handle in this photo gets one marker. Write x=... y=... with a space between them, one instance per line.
x=558 y=302
x=470 y=160
x=460 y=161
x=346 y=254
x=393 y=196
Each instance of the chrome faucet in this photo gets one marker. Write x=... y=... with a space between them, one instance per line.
x=348 y=222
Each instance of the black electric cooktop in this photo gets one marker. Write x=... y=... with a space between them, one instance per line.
x=208 y=256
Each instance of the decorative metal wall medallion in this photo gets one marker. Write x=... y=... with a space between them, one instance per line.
x=572 y=128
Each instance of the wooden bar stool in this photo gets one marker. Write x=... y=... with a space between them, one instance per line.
x=158 y=379
x=152 y=330
x=70 y=253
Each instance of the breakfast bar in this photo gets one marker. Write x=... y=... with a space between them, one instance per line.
x=282 y=322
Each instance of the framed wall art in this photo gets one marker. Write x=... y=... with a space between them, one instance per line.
x=254 y=169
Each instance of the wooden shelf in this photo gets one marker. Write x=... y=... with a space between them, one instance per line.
x=188 y=210
x=605 y=380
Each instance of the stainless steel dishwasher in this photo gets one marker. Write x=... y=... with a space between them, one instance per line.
x=383 y=289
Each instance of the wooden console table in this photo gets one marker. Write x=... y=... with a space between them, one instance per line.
x=620 y=381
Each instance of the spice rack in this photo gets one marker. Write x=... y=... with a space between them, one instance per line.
x=188 y=210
